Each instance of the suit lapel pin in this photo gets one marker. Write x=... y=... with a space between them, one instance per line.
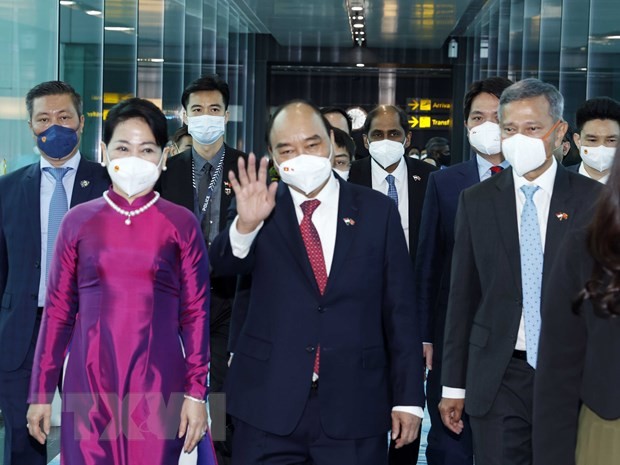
x=84 y=183
x=561 y=216
x=416 y=177
x=227 y=188
x=349 y=221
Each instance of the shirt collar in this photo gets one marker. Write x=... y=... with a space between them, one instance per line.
x=379 y=174
x=545 y=181
x=485 y=165
x=72 y=162
x=329 y=193
x=200 y=162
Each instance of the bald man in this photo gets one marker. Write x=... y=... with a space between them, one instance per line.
x=328 y=358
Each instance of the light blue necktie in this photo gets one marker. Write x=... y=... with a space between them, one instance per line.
x=392 y=192
x=58 y=207
x=531 y=272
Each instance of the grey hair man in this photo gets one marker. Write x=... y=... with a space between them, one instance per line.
x=503 y=260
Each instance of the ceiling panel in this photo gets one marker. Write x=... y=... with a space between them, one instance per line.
x=421 y=24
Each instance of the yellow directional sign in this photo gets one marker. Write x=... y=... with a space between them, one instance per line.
x=439 y=105
x=429 y=122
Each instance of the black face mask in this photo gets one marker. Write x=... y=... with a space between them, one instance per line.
x=445 y=160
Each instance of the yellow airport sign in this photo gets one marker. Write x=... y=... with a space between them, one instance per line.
x=441 y=105
x=429 y=122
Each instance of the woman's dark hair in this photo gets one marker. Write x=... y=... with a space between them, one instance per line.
x=137 y=108
x=603 y=287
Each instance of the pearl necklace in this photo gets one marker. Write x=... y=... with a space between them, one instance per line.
x=131 y=213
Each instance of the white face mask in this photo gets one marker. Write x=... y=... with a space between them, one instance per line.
x=305 y=172
x=133 y=174
x=386 y=152
x=206 y=129
x=600 y=158
x=344 y=174
x=524 y=153
x=486 y=138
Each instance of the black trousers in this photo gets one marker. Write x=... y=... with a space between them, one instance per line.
x=444 y=447
x=308 y=444
x=407 y=455
x=219 y=329
x=504 y=435
x=19 y=447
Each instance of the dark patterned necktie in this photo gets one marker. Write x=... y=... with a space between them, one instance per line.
x=312 y=242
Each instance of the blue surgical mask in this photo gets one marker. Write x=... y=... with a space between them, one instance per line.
x=57 y=141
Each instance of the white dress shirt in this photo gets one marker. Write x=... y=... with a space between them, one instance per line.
x=484 y=167
x=542 y=200
x=582 y=170
x=380 y=184
x=325 y=220
x=48 y=183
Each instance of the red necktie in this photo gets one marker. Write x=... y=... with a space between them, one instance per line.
x=495 y=169
x=312 y=241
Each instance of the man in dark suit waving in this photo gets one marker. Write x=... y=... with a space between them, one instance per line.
x=33 y=201
x=329 y=356
x=508 y=230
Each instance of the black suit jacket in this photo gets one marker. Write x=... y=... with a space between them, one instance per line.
x=436 y=242
x=20 y=251
x=175 y=184
x=577 y=359
x=485 y=303
x=418 y=173
x=365 y=321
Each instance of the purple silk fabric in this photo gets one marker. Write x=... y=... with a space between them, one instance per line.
x=129 y=298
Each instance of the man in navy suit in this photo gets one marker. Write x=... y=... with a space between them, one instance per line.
x=329 y=356
x=26 y=223
x=432 y=270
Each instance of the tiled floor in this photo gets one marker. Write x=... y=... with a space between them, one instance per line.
x=53 y=444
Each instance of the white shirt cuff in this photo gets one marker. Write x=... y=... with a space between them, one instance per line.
x=452 y=393
x=417 y=411
x=242 y=243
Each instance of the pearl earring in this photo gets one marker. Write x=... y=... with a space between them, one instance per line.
x=164 y=168
x=102 y=163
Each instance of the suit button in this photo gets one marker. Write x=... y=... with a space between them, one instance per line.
x=310 y=349
x=322 y=309
x=37 y=265
x=34 y=296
